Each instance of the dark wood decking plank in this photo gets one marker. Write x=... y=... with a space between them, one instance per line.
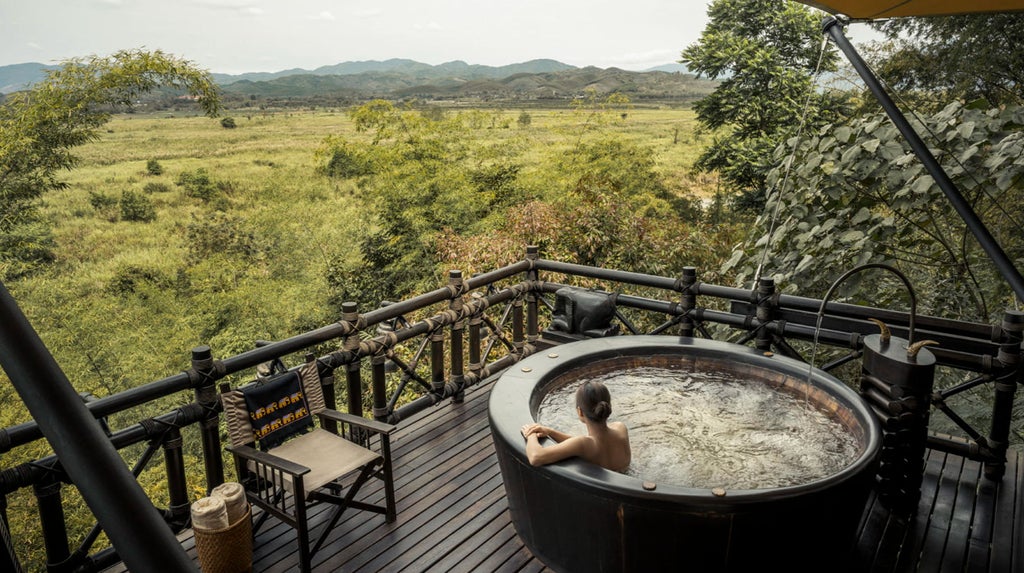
x=448 y=529
x=472 y=560
x=961 y=518
x=508 y=558
x=933 y=549
x=1016 y=548
x=534 y=566
x=1006 y=499
x=408 y=536
x=872 y=528
x=917 y=524
x=468 y=472
x=1017 y=541
x=474 y=533
x=979 y=545
x=891 y=543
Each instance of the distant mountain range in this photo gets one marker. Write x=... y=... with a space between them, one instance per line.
x=456 y=68
x=19 y=76
x=402 y=78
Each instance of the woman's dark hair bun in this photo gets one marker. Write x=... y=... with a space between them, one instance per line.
x=594 y=400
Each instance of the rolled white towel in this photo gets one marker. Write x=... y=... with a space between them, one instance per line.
x=209 y=514
x=233 y=495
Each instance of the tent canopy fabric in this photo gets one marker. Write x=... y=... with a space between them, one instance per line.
x=873 y=9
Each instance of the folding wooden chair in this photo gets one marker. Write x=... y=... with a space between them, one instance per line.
x=298 y=465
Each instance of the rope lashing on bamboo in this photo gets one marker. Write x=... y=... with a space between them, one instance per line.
x=383 y=343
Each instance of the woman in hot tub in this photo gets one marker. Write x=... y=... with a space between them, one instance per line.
x=606 y=444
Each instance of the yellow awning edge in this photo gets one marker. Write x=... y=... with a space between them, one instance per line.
x=877 y=9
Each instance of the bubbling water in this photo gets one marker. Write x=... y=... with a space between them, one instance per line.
x=713 y=430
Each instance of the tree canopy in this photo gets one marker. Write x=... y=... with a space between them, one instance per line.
x=954 y=57
x=766 y=52
x=39 y=129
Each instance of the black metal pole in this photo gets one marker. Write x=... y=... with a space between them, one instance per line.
x=133 y=525
x=834 y=29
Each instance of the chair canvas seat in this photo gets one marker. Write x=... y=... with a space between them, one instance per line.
x=327 y=456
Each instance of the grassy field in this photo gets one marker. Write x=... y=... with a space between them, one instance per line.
x=110 y=291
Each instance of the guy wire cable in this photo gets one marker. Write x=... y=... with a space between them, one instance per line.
x=789 y=164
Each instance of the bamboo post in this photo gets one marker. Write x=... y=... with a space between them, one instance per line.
x=532 y=299
x=51 y=518
x=765 y=313
x=458 y=327
x=205 y=370
x=688 y=301
x=1009 y=357
x=177 y=485
x=353 y=377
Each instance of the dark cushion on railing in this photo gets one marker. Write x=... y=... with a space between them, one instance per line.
x=580 y=311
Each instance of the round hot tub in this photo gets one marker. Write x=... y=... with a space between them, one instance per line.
x=576 y=516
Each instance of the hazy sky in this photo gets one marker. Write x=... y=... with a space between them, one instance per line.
x=234 y=36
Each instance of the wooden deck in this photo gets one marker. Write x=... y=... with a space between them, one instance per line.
x=452 y=514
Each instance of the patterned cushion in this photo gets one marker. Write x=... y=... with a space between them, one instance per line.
x=278 y=409
x=236 y=413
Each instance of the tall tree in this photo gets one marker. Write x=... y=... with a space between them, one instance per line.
x=39 y=129
x=766 y=53
x=955 y=57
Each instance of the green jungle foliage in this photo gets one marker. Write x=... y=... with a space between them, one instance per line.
x=443 y=198
x=856 y=194
x=936 y=60
x=39 y=129
x=767 y=53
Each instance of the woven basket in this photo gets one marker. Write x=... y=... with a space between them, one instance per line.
x=226 y=550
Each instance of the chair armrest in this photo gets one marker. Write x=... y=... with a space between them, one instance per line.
x=365 y=423
x=268 y=459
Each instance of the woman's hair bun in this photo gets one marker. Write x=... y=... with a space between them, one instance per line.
x=595 y=400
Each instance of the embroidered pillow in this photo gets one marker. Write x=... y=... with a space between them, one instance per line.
x=278 y=409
